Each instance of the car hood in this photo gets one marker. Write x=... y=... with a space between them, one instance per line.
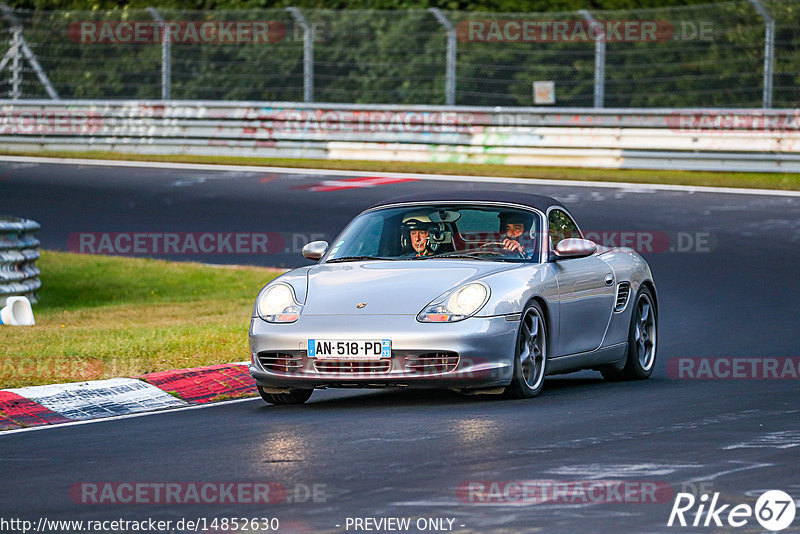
x=388 y=287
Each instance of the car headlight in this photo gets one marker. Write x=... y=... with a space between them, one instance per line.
x=456 y=305
x=277 y=304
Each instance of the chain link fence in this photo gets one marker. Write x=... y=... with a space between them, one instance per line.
x=729 y=54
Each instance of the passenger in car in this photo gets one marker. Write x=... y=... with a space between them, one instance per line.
x=517 y=239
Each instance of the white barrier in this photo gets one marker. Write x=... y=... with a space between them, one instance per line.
x=17 y=312
x=710 y=139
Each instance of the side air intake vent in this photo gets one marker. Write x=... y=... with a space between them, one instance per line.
x=623 y=291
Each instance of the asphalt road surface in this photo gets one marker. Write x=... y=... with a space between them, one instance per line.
x=726 y=267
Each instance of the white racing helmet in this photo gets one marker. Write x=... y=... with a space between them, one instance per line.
x=420 y=220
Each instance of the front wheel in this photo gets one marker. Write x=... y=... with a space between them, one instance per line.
x=530 y=357
x=641 y=341
x=295 y=396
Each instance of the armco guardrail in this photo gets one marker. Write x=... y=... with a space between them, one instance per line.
x=703 y=139
x=18 y=254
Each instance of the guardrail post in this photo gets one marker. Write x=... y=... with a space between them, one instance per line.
x=599 y=60
x=16 y=71
x=13 y=55
x=450 y=76
x=166 y=55
x=308 y=53
x=769 y=51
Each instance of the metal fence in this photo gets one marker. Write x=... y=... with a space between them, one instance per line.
x=729 y=54
x=19 y=275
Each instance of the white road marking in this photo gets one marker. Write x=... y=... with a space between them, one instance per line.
x=713 y=476
x=611 y=471
x=785 y=439
x=393 y=440
x=99 y=398
x=628 y=187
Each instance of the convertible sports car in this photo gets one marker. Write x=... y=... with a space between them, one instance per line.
x=480 y=292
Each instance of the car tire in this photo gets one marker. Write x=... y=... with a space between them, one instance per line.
x=295 y=396
x=530 y=354
x=642 y=337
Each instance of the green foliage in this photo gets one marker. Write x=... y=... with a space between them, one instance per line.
x=507 y=6
x=713 y=56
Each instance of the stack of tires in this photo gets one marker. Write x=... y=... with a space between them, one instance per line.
x=19 y=275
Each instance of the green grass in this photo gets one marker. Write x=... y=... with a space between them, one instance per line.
x=781 y=181
x=101 y=317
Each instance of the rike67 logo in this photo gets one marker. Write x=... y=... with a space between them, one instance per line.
x=774 y=510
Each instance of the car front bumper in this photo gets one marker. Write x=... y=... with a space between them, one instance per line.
x=475 y=353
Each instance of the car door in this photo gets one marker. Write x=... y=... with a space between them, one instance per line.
x=585 y=290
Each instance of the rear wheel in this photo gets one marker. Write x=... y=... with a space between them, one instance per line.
x=530 y=358
x=295 y=396
x=641 y=340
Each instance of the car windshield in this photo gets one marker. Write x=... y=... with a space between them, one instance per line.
x=440 y=231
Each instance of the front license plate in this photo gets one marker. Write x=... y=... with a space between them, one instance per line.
x=340 y=349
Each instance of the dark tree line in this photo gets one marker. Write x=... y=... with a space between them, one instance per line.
x=507 y=6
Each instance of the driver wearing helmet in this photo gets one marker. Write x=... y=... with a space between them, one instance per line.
x=416 y=232
x=514 y=225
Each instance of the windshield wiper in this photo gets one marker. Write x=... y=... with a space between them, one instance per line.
x=484 y=256
x=472 y=256
x=357 y=258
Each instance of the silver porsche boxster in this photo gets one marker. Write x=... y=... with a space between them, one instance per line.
x=480 y=292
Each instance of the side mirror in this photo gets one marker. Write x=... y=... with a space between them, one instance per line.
x=314 y=250
x=574 y=247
